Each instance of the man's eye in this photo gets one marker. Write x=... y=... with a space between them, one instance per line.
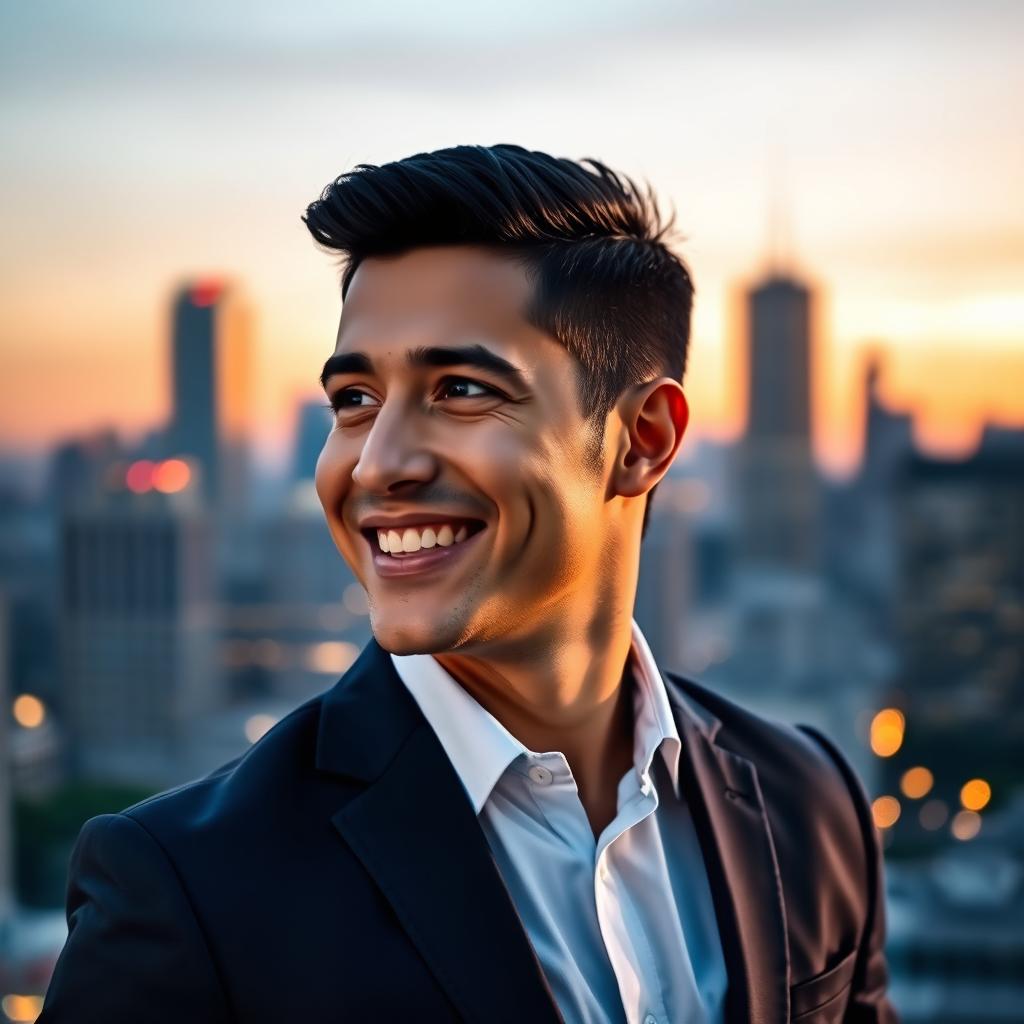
x=463 y=387
x=350 y=398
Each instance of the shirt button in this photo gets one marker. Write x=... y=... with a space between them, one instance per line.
x=650 y=1019
x=541 y=775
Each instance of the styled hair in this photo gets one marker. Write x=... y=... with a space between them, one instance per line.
x=606 y=285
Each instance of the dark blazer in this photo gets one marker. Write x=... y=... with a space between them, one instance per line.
x=336 y=872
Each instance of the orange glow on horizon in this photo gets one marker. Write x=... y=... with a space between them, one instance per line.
x=950 y=388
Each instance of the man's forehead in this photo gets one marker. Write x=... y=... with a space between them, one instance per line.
x=466 y=280
x=451 y=295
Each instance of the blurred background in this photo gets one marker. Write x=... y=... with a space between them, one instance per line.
x=840 y=541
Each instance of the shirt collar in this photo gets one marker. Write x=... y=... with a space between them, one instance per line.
x=480 y=748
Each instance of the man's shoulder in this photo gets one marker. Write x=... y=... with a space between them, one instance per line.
x=804 y=776
x=265 y=783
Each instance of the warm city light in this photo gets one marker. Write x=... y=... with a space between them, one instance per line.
x=916 y=782
x=885 y=810
x=965 y=824
x=206 y=292
x=21 y=1009
x=29 y=711
x=171 y=475
x=139 y=477
x=257 y=725
x=975 y=794
x=331 y=657
x=887 y=732
x=933 y=814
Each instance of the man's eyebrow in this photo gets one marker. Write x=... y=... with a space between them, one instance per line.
x=464 y=355
x=467 y=355
x=345 y=362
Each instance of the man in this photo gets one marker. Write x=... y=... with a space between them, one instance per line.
x=503 y=811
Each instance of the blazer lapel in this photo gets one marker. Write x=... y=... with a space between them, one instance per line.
x=414 y=830
x=725 y=798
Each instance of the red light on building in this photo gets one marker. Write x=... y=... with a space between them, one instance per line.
x=171 y=476
x=206 y=293
x=139 y=477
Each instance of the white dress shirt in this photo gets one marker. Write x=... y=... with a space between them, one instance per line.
x=624 y=926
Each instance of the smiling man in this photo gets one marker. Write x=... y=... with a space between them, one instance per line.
x=505 y=810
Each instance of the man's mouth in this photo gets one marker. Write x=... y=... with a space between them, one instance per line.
x=403 y=550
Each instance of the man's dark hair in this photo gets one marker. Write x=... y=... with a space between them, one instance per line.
x=606 y=285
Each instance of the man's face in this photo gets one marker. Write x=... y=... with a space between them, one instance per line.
x=459 y=441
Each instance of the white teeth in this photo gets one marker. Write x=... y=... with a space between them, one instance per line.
x=413 y=538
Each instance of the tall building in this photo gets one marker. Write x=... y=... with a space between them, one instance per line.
x=313 y=427
x=137 y=622
x=6 y=767
x=779 y=593
x=778 y=484
x=958 y=610
x=211 y=367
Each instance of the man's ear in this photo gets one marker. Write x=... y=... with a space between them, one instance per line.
x=654 y=418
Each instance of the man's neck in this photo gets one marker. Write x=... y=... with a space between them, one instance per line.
x=566 y=694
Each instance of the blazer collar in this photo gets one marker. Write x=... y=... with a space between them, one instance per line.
x=414 y=813
x=416 y=834
x=728 y=809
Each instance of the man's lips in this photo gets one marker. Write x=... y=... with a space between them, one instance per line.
x=422 y=561
x=383 y=522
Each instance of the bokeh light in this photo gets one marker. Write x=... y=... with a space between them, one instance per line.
x=258 y=725
x=139 y=477
x=965 y=825
x=886 y=811
x=933 y=814
x=171 y=475
x=29 y=711
x=975 y=794
x=887 y=729
x=331 y=657
x=916 y=782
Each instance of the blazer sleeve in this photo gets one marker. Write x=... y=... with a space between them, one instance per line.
x=869 y=1000
x=134 y=951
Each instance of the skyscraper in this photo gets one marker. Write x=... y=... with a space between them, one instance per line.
x=138 y=622
x=211 y=364
x=6 y=828
x=779 y=598
x=313 y=427
x=778 y=484
x=958 y=611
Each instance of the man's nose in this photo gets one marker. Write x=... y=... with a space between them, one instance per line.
x=394 y=454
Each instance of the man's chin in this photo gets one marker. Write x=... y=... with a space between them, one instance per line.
x=401 y=634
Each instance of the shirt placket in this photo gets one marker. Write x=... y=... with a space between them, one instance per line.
x=621 y=925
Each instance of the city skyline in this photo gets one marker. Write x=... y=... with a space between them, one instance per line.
x=901 y=197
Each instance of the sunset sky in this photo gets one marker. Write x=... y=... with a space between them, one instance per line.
x=147 y=144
